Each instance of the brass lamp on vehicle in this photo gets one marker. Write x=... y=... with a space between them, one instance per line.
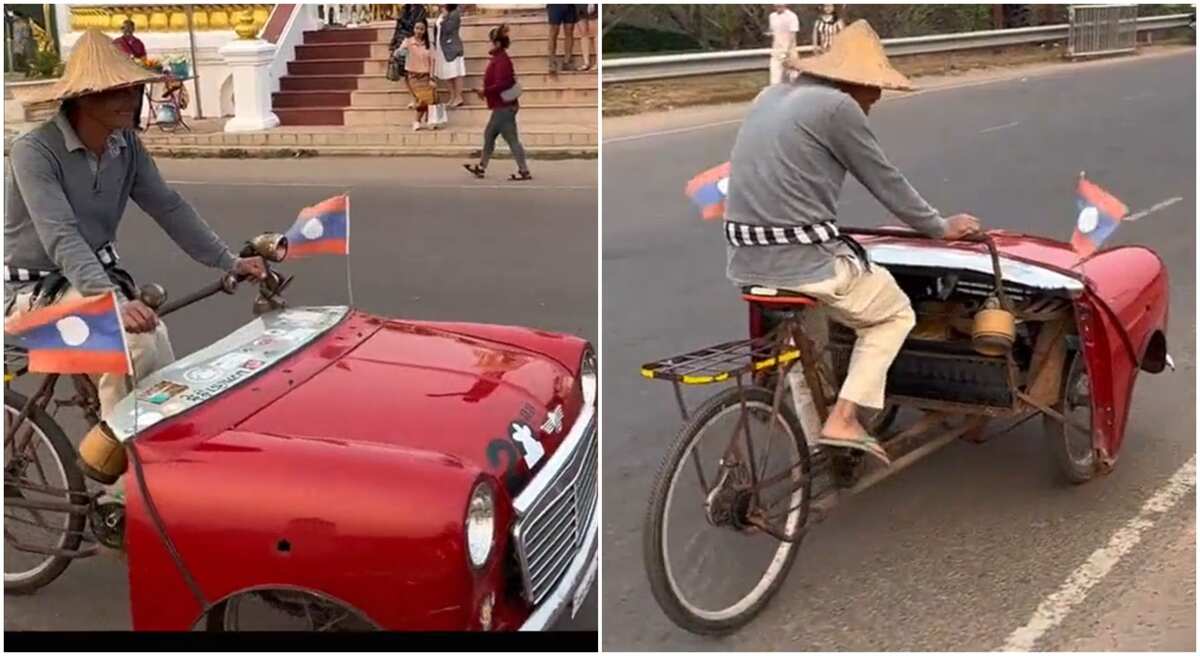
x=271 y=246
x=102 y=456
x=994 y=331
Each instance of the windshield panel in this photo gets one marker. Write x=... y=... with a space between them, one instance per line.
x=206 y=374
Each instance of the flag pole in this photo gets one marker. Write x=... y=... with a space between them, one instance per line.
x=349 y=278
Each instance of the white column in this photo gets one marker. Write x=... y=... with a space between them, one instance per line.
x=250 y=60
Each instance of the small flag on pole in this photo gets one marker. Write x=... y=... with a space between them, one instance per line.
x=1099 y=213
x=323 y=228
x=708 y=191
x=83 y=336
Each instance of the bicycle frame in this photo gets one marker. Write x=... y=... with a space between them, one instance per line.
x=789 y=344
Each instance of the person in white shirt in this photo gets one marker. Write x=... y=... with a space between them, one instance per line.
x=784 y=26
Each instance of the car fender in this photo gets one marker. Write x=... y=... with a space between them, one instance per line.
x=378 y=528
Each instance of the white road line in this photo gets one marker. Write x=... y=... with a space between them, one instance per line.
x=692 y=128
x=513 y=185
x=1152 y=209
x=1000 y=127
x=1057 y=606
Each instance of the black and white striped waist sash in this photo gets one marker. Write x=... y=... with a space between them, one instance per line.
x=745 y=234
x=107 y=254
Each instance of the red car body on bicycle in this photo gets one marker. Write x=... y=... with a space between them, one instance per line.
x=346 y=471
x=1121 y=308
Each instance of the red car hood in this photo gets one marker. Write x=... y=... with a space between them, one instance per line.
x=418 y=388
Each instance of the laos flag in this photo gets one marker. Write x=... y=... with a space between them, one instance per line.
x=83 y=336
x=1099 y=213
x=323 y=228
x=708 y=190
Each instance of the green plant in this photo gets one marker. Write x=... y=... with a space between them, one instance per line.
x=45 y=65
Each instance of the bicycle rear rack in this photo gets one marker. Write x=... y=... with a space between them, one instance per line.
x=719 y=363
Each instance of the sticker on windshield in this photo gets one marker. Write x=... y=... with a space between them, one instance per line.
x=201 y=375
x=163 y=392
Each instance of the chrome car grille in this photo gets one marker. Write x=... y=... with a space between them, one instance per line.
x=555 y=515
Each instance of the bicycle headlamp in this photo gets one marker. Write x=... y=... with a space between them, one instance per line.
x=271 y=246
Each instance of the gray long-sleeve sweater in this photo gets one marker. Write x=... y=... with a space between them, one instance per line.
x=63 y=203
x=788 y=165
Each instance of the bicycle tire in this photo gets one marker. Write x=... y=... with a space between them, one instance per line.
x=65 y=453
x=652 y=531
x=1058 y=436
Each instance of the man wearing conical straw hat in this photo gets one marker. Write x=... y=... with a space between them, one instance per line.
x=786 y=171
x=71 y=179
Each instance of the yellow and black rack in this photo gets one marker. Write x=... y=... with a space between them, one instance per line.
x=719 y=363
x=16 y=362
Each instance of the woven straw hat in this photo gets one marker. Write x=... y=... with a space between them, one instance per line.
x=856 y=56
x=95 y=65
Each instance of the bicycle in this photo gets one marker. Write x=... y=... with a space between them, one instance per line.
x=44 y=485
x=762 y=513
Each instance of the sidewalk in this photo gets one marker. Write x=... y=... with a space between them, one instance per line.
x=206 y=139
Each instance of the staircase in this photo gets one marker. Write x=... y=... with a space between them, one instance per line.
x=338 y=79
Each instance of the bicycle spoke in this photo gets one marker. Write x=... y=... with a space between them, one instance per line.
x=700 y=472
x=335 y=621
x=37 y=462
x=763 y=485
x=19 y=520
x=306 y=604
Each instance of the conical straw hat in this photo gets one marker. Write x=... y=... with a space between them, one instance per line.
x=95 y=65
x=856 y=56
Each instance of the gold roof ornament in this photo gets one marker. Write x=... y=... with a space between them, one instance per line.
x=855 y=56
x=245 y=27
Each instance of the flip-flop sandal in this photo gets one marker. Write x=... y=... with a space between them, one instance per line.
x=475 y=170
x=520 y=176
x=865 y=443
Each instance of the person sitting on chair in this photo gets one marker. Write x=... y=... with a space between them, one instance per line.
x=787 y=168
x=128 y=43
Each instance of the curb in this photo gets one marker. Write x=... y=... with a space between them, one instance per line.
x=277 y=152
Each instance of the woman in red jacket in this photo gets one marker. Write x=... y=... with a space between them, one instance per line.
x=500 y=89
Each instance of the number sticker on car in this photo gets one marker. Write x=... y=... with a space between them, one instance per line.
x=533 y=450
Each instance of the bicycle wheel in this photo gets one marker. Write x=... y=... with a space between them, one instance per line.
x=1070 y=447
x=697 y=498
x=42 y=471
x=284 y=610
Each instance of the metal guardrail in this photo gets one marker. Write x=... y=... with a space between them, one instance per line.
x=660 y=67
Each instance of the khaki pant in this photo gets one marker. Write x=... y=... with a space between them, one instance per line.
x=879 y=312
x=149 y=352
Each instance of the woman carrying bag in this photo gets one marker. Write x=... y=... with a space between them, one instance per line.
x=409 y=16
x=501 y=90
x=418 y=62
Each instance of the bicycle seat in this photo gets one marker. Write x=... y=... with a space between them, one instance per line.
x=774 y=296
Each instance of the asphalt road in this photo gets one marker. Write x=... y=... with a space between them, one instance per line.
x=959 y=551
x=427 y=242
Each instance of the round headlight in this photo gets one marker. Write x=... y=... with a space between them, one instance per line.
x=587 y=376
x=480 y=524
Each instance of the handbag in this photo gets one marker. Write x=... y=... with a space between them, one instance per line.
x=512 y=93
x=395 y=69
x=437 y=115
